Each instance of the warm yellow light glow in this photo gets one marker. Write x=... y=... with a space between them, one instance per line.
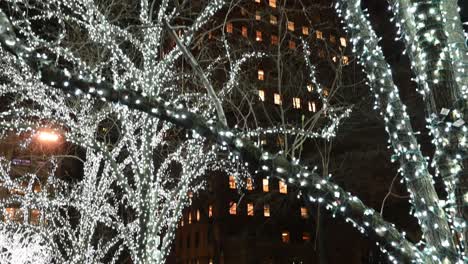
x=47 y=136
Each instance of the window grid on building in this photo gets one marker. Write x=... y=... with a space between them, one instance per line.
x=272 y=3
x=249 y=184
x=229 y=27
x=312 y=107
x=290 y=25
x=250 y=209
x=292 y=44
x=283 y=188
x=244 y=31
x=232 y=182
x=233 y=208
x=265 y=185
x=273 y=20
x=304 y=213
x=266 y=210
x=274 y=39
x=261 y=75
x=261 y=95
x=258 y=35
x=277 y=99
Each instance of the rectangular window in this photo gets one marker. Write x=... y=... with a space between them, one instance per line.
x=257 y=1
x=310 y=88
x=305 y=236
x=304 y=213
x=244 y=31
x=292 y=44
x=258 y=16
x=305 y=30
x=258 y=35
x=249 y=184
x=312 y=107
x=319 y=34
x=277 y=99
x=273 y=20
x=210 y=211
x=266 y=187
x=296 y=102
x=261 y=75
x=263 y=142
x=266 y=210
x=345 y=60
x=283 y=188
x=198 y=215
x=232 y=182
x=285 y=237
x=325 y=92
x=343 y=41
x=250 y=209
x=243 y=11
x=233 y=208
x=321 y=53
x=261 y=95
x=229 y=27
x=272 y=3
x=290 y=25
x=190 y=217
x=274 y=39
x=332 y=39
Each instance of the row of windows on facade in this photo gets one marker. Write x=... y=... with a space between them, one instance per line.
x=285 y=238
x=17 y=215
x=282 y=187
x=291 y=27
x=195 y=216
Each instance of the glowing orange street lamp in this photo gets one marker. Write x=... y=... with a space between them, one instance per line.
x=47 y=136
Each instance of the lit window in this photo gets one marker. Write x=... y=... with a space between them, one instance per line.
x=198 y=215
x=304 y=212
x=263 y=142
x=274 y=39
x=283 y=188
x=250 y=209
x=305 y=30
x=305 y=236
x=190 y=217
x=277 y=99
x=280 y=141
x=258 y=36
x=290 y=26
x=273 y=20
x=261 y=95
x=319 y=34
x=285 y=237
x=210 y=35
x=11 y=212
x=258 y=16
x=334 y=58
x=266 y=210
x=345 y=60
x=265 y=185
x=325 y=92
x=261 y=75
x=233 y=208
x=292 y=44
x=232 y=182
x=229 y=27
x=249 y=184
x=310 y=88
x=343 y=41
x=312 y=107
x=244 y=31
x=296 y=102
x=182 y=222
x=257 y=1
x=272 y=3
x=332 y=39
x=210 y=211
